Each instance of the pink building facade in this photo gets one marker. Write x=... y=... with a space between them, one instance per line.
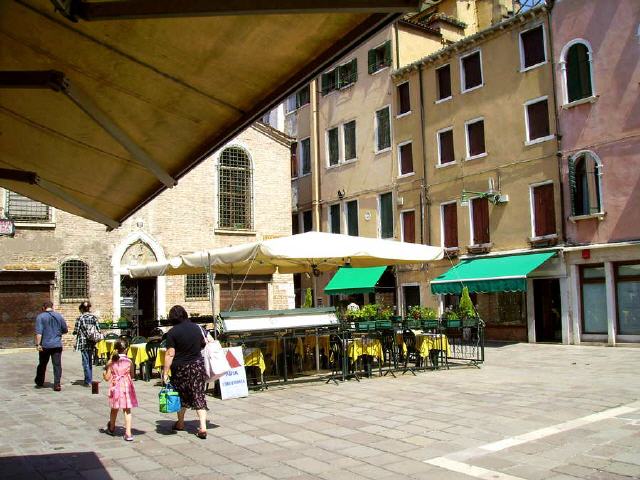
x=596 y=48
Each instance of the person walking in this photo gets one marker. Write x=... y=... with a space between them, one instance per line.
x=86 y=331
x=50 y=326
x=122 y=395
x=185 y=342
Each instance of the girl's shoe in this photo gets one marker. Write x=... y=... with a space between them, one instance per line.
x=201 y=434
x=108 y=430
x=128 y=438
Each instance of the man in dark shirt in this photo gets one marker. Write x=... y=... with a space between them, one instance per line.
x=50 y=326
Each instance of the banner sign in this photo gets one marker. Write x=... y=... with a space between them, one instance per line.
x=7 y=227
x=234 y=383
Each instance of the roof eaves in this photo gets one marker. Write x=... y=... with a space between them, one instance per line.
x=274 y=133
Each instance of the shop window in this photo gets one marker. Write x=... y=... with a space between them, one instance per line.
x=385 y=205
x=584 y=184
x=594 y=306
x=537 y=120
x=74 y=281
x=471 y=71
x=383 y=130
x=196 y=286
x=446 y=153
x=351 y=211
x=409 y=226
x=404 y=99
x=334 y=218
x=578 y=71
x=21 y=209
x=449 y=225
x=443 y=79
x=349 y=135
x=480 y=221
x=405 y=155
x=234 y=190
x=544 y=216
x=333 y=148
x=532 y=47
x=475 y=138
x=628 y=298
x=305 y=156
x=379 y=57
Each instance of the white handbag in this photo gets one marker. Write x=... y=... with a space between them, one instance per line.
x=215 y=360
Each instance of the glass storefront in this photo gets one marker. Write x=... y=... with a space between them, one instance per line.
x=594 y=305
x=628 y=298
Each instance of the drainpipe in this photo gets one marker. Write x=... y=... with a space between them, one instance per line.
x=423 y=190
x=395 y=31
x=315 y=156
x=563 y=233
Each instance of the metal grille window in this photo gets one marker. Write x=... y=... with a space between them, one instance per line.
x=23 y=209
x=74 y=281
x=234 y=197
x=196 y=287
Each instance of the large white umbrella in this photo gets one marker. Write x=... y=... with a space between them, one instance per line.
x=311 y=252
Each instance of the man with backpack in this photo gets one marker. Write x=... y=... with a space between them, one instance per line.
x=87 y=333
x=50 y=326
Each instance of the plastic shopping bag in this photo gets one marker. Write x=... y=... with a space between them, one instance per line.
x=169 y=399
x=215 y=361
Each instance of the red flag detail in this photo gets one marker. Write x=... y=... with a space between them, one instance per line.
x=233 y=362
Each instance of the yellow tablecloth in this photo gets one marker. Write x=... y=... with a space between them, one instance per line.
x=105 y=347
x=364 y=346
x=162 y=351
x=428 y=342
x=323 y=343
x=274 y=347
x=138 y=353
x=253 y=358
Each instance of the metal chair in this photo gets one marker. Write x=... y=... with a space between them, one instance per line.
x=389 y=351
x=138 y=339
x=152 y=354
x=156 y=332
x=335 y=357
x=409 y=339
x=111 y=336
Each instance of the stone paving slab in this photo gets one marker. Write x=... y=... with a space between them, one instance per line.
x=379 y=428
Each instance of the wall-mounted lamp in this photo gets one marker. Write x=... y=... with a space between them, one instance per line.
x=340 y=194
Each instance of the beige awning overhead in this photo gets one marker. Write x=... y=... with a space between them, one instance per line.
x=122 y=108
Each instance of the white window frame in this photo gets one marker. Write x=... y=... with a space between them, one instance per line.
x=343 y=145
x=375 y=131
x=326 y=147
x=573 y=158
x=532 y=205
x=563 y=70
x=345 y=212
x=401 y=115
x=442 y=100
x=442 y=226
x=300 y=162
x=379 y=213
x=544 y=46
x=386 y=66
x=462 y=72
x=329 y=217
x=440 y=164
x=528 y=140
x=468 y=144
x=415 y=218
x=400 y=174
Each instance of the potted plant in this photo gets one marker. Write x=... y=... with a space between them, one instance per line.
x=466 y=310
x=308 y=299
x=451 y=317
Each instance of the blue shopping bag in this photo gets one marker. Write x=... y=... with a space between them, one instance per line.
x=169 y=399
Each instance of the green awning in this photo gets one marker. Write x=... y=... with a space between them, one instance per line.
x=489 y=274
x=349 y=280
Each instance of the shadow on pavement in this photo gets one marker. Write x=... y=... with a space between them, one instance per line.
x=165 y=427
x=54 y=465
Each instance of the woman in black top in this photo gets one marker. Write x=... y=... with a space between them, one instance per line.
x=185 y=342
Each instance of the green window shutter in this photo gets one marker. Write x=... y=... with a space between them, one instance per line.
x=334 y=152
x=371 y=60
x=572 y=185
x=354 y=70
x=352 y=218
x=335 y=218
x=325 y=84
x=350 y=140
x=384 y=129
x=387 y=53
x=342 y=76
x=578 y=73
x=386 y=216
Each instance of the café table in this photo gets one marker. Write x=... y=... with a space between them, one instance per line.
x=253 y=358
x=427 y=342
x=105 y=347
x=365 y=347
x=138 y=354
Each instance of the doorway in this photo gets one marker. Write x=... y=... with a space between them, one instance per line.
x=548 y=313
x=138 y=303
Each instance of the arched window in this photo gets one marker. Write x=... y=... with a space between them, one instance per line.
x=584 y=183
x=578 y=71
x=234 y=190
x=74 y=281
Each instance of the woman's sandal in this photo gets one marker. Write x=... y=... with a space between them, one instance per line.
x=108 y=430
x=175 y=427
x=201 y=434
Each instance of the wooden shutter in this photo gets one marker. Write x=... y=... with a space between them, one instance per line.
x=538 y=116
x=334 y=218
x=294 y=160
x=450 y=224
x=480 y=212
x=334 y=152
x=444 y=82
x=475 y=131
x=472 y=71
x=352 y=218
x=350 y=140
x=447 y=154
x=386 y=215
x=387 y=53
x=409 y=227
x=371 y=60
x=404 y=100
x=578 y=73
x=305 y=146
x=544 y=214
x=533 y=46
x=307 y=221
x=251 y=296
x=406 y=159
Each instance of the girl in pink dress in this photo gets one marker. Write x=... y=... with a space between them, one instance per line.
x=118 y=372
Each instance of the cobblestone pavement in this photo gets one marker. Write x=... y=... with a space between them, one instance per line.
x=531 y=412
